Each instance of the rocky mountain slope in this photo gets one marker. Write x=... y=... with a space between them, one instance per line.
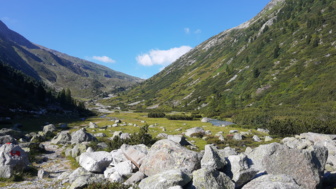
x=58 y=70
x=282 y=58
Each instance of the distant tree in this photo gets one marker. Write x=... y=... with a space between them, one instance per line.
x=276 y=51
x=256 y=73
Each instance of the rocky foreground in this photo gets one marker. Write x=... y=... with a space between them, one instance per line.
x=305 y=161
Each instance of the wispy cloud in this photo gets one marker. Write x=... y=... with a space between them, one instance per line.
x=198 y=31
x=187 y=30
x=104 y=59
x=162 y=57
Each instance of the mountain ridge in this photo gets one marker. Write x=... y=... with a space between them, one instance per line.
x=85 y=79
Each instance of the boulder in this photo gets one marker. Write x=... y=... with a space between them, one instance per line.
x=268 y=138
x=316 y=137
x=62 y=138
x=125 y=136
x=12 y=132
x=95 y=162
x=167 y=155
x=256 y=156
x=237 y=136
x=194 y=130
x=239 y=170
x=211 y=159
x=93 y=125
x=272 y=182
x=135 y=178
x=12 y=159
x=303 y=167
x=226 y=152
x=41 y=174
x=49 y=129
x=256 y=138
x=83 y=181
x=124 y=168
x=162 y=136
x=165 y=180
x=135 y=153
x=117 y=157
x=80 y=136
x=78 y=149
x=99 y=135
x=263 y=130
x=297 y=143
x=210 y=178
x=7 y=139
x=180 y=139
x=205 y=120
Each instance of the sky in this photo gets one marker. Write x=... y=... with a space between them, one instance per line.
x=136 y=37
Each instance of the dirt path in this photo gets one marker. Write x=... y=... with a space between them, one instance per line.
x=53 y=163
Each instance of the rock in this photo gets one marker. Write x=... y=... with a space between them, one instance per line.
x=162 y=136
x=62 y=138
x=233 y=131
x=226 y=152
x=257 y=155
x=99 y=135
x=116 y=134
x=117 y=157
x=41 y=174
x=12 y=159
x=302 y=167
x=117 y=121
x=77 y=173
x=316 y=137
x=180 y=139
x=165 y=180
x=256 y=138
x=116 y=177
x=263 y=130
x=49 y=129
x=92 y=125
x=135 y=153
x=85 y=180
x=167 y=155
x=175 y=187
x=210 y=178
x=115 y=125
x=15 y=133
x=211 y=159
x=268 y=138
x=7 y=139
x=237 y=136
x=124 y=168
x=125 y=136
x=95 y=162
x=272 y=182
x=108 y=172
x=78 y=149
x=89 y=149
x=208 y=132
x=238 y=169
x=80 y=136
x=135 y=178
x=205 y=120
x=194 y=130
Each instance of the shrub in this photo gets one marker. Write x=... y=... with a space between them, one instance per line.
x=156 y=114
x=107 y=185
x=179 y=117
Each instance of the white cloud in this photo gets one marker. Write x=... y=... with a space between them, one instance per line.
x=198 y=31
x=162 y=57
x=105 y=59
x=187 y=30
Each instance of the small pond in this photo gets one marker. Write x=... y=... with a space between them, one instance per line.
x=216 y=122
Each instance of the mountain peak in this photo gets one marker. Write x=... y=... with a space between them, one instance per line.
x=11 y=35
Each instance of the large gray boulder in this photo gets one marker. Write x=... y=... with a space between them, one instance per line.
x=124 y=168
x=80 y=136
x=194 y=130
x=239 y=170
x=49 y=129
x=165 y=180
x=257 y=155
x=304 y=167
x=167 y=155
x=180 y=139
x=273 y=182
x=210 y=178
x=7 y=139
x=211 y=158
x=95 y=162
x=62 y=138
x=135 y=153
x=12 y=159
x=78 y=149
x=135 y=178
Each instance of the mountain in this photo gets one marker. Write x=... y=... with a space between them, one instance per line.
x=58 y=70
x=281 y=60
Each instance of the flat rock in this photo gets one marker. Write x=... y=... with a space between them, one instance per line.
x=210 y=178
x=95 y=162
x=165 y=180
x=272 y=182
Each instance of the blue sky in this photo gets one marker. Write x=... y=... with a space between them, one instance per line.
x=136 y=37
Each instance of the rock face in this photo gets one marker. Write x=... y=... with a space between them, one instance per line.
x=12 y=158
x=165 y=180
x=211 y=158
x=135 y=153
x=210 y=178
x=81 y=136
x=293 y=163
x=272 y=182
x=95 y=161
x=167 y=155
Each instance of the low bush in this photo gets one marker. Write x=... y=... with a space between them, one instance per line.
x=179 y=117
x=156 y=115
x=107 y=185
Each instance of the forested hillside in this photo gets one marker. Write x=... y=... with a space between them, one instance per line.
x=280 y=65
